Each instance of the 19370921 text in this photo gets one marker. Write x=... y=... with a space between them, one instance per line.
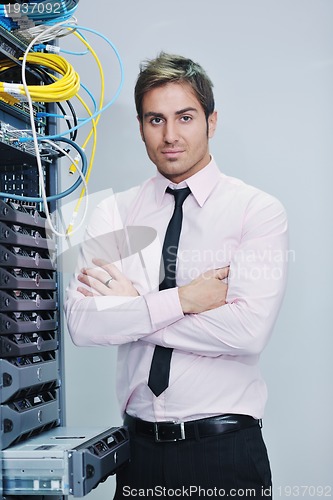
x=304 y=491
x=33 y=8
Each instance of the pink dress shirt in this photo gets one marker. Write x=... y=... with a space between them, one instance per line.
x=214 y=366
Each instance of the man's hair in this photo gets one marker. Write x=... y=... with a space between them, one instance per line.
x=169 y=68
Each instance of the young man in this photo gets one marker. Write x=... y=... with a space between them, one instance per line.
x=196 y=429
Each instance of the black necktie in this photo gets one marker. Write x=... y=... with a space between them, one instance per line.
x=160 y=366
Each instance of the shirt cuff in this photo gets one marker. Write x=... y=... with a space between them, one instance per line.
x=164 y=308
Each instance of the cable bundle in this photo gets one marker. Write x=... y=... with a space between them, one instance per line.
x=42 y=67
x=43 y=36
x=61 y=89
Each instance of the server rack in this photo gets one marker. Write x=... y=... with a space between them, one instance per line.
x=39 y=455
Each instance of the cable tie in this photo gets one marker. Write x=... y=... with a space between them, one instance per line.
x=14 y=90
x=54 y=49
x=11 y=86
x=72 y=168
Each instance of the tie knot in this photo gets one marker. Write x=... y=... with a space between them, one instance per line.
x=179 y=194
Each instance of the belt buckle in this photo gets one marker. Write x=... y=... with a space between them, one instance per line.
x=160 y=439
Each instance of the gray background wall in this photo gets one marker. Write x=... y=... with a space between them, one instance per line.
x=271 y=63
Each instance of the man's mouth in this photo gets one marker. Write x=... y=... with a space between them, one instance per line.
x=172 y=152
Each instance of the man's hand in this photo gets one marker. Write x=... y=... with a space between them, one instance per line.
x=206 y=292
x=105 y=279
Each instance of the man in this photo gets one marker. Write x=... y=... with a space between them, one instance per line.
x=199 y=432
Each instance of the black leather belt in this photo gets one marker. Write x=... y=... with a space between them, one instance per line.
x=194 y=429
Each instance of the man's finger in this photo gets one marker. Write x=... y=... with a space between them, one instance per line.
x=222 y=272
x=110 y=268
x=219 y=273
x=85 y=292
x=93 y=282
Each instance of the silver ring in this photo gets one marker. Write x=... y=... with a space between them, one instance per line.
x=108 y=281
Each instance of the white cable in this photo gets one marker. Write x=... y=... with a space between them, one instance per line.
x=73 y=161
x=33 y=128
x=47 y=35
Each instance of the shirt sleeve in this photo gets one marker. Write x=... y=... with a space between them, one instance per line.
x=257 y=280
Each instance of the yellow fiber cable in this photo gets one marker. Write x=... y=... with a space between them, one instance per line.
x=101 y=100
x=93 y=131
x=61 y=90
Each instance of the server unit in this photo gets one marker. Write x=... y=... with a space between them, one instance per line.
x=40 y=456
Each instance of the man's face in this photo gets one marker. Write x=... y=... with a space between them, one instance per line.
x=175 y=131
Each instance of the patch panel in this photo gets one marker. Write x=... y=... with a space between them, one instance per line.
x=20 y=179
x=12 y=45
x=13 y=149
x=21 y=111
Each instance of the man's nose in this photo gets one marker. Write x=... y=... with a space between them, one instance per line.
x=171 y=134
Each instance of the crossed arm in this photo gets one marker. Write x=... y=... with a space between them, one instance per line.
x=204 y=293
x=195 y=317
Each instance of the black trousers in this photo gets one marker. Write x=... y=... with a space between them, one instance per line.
x=230 y=465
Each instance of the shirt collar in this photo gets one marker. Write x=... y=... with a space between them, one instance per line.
x=201 y=184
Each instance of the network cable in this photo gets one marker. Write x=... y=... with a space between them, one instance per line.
x=54 y=62
x=63 y=194
x=35 y=138
x=86 y=197
x=56 y=32
x=94 y=123
x=116 y=94
x=61 y=89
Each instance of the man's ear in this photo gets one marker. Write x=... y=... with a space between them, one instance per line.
x=212 y=123
x=141 y=128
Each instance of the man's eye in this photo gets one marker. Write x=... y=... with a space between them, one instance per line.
x=156 y=121
x=186 y=118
